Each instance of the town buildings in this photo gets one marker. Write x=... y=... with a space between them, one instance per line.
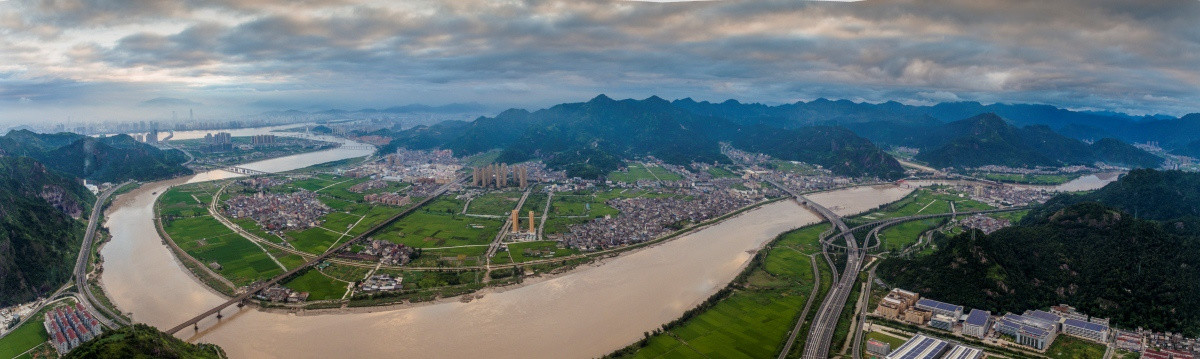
x=279 y=211
x=68 y=326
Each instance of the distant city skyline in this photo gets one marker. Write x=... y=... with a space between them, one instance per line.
x=97 y=60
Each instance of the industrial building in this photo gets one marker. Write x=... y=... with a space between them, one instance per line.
x=1042 y=319
x=1027 y=330
x=896 y=302
x=920 y=347
x=1087 y=330
x=977 y=324
x=937 y=307
x=878 y=348
x=943 y=322
x=963 y=352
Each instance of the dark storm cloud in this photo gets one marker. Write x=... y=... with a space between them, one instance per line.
x=1139 y=56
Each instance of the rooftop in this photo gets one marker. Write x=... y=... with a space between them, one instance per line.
x=1086 y=325
x=919 y=347
x=978 y=317
x=939 y=305
x=963 y=352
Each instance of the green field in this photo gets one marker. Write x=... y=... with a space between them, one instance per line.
x=663 y=174
x=921 y=201
x=206 y=239
x=754 y=320
x=432 y=229
x=25 y=337
x=1037 y=179
x=632 y=173
x=527 y=251
x=1068 y=347
x=893 y=341
x=318 y=286
x=314 y=240
x=499 y=203
x=905 y=234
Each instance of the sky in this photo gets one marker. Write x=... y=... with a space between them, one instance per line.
x=103 y=60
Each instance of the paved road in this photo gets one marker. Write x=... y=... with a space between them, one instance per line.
x=85 y=255
x=825 y=321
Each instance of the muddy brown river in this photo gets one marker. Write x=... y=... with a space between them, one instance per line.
x=585 y=313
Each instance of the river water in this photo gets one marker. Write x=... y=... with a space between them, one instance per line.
x=585 y=313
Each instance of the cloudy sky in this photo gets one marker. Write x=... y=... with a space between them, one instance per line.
x=131 y=59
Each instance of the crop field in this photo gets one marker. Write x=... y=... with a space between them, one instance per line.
x=754 y=321
x=453 y=257
x=1036 y=179
x=633 y=173
x=209 y=241
x=528 y=251
x=718 y=172
x=339 y=222
x=314 y=240
x=318 y=286
x=536 y=203
x=495 y=203
x=443 y=204
x=373 y=217
x=663 y=174
x=430 y=229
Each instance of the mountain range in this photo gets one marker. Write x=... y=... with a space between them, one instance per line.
x=987 y=139
x=1171 y=132
x=107 y=159
x=589 y=139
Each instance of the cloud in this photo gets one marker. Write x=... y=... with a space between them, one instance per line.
x=1104 y=54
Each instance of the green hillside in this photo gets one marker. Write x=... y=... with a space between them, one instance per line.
x=40 y=239
x=142 y=341
x=109 y=159
x=1141 y=270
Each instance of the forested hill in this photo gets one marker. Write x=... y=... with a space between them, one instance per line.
x=143 y=341
x=987 y=139
x=1139 y=270
x=40 y=237
x=589 y=139
x=1147 y=194
x=109 y=159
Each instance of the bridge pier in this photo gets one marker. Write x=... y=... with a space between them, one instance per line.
x=219 y=315
x=196 y=327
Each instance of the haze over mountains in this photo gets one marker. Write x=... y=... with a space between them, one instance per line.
x=589 y=139
x=108 y=159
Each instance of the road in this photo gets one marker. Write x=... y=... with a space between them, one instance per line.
x=85 y=255
x=825 y=321
x=864 y=298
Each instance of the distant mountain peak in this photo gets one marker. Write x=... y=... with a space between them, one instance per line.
x=601 y=98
